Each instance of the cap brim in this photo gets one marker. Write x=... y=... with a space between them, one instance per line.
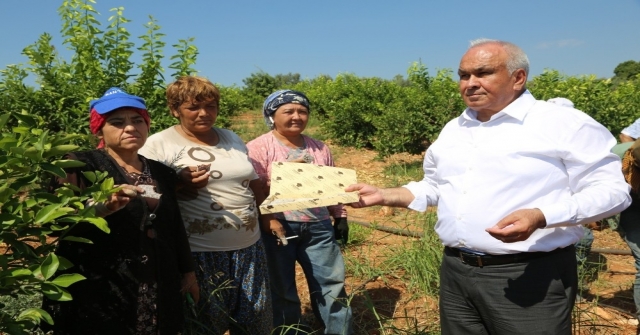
x=106 y=106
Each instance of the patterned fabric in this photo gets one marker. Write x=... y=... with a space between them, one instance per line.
x=221 y=216
x=147 y=309
x=128 y=266
x=279 y=98
x=234 y=293
x=266 y=149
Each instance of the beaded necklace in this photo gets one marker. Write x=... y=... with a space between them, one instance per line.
x=143 y=178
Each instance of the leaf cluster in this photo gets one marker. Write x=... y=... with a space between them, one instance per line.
x=101 y=57
x=33 y=218
x=389 y=116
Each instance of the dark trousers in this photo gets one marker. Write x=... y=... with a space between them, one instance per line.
x=532 y=297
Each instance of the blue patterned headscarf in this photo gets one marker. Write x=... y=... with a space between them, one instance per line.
x=279 y=98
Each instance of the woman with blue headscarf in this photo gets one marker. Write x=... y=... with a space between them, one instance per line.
x=316 y=249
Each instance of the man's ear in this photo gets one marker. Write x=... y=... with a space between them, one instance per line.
x=520 y=79
x=174 y=113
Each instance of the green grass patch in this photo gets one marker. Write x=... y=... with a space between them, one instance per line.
x=401 y=173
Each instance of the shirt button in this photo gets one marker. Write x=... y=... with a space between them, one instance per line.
x=152 y=216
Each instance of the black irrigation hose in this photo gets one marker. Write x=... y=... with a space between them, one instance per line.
x=409 y=233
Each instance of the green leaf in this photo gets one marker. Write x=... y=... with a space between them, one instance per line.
x=68 y=163
x=54 y=170
x=29 y=120
x=6 y=192
x=60 y=150
x=21 y=272
x=64 y=263
x=48 y=212
x=77 y=239
x=66 y=139
x=67 y=279
x=26 y=180
x=107 y=185
x=100 y=223
x=90 y=175
x=34 y=154
x=49 y=266
x=44 y=196
x=3 y=119
x=8 y=218
x=55 y=292
x=35 y=315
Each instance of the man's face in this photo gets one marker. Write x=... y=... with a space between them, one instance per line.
x=485 y=83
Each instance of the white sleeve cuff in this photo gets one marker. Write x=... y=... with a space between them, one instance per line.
x=420 y=201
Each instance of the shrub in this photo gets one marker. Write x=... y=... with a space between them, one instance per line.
x=29 y=157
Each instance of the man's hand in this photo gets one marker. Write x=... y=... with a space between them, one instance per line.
x=518 y=226
x=369 y=195
x=194 y=177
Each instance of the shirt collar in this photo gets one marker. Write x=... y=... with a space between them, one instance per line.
x=517 y=109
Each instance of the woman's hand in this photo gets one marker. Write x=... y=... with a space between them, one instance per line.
x=274 y=227
x=118 y=200
x=189 y=284
x=194 y=177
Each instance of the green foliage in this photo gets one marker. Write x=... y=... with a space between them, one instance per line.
x=232 y=101
x=389 y=116
x=626 y=71
x=260 y=84
x=614 y=107
x=30 y=215
x=101 y=58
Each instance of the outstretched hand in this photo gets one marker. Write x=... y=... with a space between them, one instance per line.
x=518 y=226
x=369 y=195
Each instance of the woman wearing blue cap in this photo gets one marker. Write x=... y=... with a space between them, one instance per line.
x=136 y=272
x=286 y=112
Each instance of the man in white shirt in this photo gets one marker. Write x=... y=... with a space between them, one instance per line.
x=513 y=178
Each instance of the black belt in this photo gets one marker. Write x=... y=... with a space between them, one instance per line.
x=484 y=260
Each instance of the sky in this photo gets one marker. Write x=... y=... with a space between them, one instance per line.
x=367 y=38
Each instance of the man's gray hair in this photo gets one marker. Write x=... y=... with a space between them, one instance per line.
x=516 y=58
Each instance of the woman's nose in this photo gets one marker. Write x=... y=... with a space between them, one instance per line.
x=129 y=126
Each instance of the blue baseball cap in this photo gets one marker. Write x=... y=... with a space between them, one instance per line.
x=115 y=98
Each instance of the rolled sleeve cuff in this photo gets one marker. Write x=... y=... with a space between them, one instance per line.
x=557 y=215
x=419 y=202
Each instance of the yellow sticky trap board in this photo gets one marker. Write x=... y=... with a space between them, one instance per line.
x=298 y=186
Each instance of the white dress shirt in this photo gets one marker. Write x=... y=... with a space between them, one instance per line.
x=532 y=154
